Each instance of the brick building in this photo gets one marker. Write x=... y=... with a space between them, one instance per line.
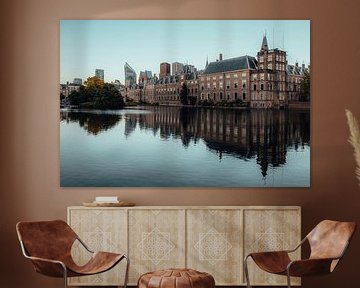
x=227 y=80
x=266 y=81
x=164 y=70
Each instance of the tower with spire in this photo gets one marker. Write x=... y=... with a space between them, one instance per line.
x=264 y=45
x=269 y=87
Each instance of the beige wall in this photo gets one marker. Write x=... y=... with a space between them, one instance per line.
x=30 y=119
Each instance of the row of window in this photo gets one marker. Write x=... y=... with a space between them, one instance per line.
x=220 y=77
x=270 y=87
x=278 y=57
x=220 y=96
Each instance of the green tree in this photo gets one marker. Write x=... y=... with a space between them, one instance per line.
x=305 y=87
x=184 y=94
x=98 y=95
x=94 y=82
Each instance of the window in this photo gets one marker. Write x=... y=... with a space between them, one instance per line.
x=262 y=87
x=235 y=85
x=214 y=95
x=235 y=95
x=254 y=87
x=244 y=96
x=228 y=84
x=202 y=88
x=221 y=94
x=228 y=96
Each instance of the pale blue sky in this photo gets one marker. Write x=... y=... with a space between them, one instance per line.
x=86 y=45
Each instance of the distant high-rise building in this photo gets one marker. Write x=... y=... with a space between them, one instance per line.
x=189 y=68
x=130 y=75
x=99 y=73
x=164 y=70
x=177 y=68
x=77 y=81
x=145 y=77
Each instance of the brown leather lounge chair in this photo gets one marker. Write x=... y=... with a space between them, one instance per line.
x=48 y=245
x=328 y=242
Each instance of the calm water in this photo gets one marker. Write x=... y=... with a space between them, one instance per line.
x=171 y=146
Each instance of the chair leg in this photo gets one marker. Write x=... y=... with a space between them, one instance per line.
x=246 y=270
x=126 y=271
x=288 y=278
x=65 y=276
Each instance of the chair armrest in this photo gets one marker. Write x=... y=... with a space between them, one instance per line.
x=84 y=245
x=48 y=267
x=309 y=267
x=271 y=261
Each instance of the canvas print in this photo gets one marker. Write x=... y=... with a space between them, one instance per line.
x=185 y=103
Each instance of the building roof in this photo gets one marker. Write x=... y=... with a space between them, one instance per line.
x=232 y=64
x=295 y=70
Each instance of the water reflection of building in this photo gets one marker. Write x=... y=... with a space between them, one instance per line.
x=263 y=134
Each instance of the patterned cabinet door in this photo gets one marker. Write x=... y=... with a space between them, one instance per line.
x=214 y=244
x=270 y=230
x=156 y=240
x=101 y=230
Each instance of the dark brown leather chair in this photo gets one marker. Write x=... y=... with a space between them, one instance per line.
x=328 y=242
x=48 y=245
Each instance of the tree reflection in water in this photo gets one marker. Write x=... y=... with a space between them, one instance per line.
x=93 y=123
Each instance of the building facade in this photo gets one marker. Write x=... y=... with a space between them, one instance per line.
x=130 y=75
x=227 y=80
x=177 y=68
x=99 y=73
x=264 y=81
x=77 y=81
x=164 y=70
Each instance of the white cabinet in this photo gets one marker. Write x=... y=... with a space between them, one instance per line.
x=211 y=239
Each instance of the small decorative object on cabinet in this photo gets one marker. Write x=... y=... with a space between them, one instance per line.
x=212 y=239
x=48 y=245
x=328 y=242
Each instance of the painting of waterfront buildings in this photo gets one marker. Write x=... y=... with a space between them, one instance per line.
x=239 y=121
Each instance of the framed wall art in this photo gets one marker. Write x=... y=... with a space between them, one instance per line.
x=185 y=103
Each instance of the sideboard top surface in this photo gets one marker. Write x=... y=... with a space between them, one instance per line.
x=192 y=207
